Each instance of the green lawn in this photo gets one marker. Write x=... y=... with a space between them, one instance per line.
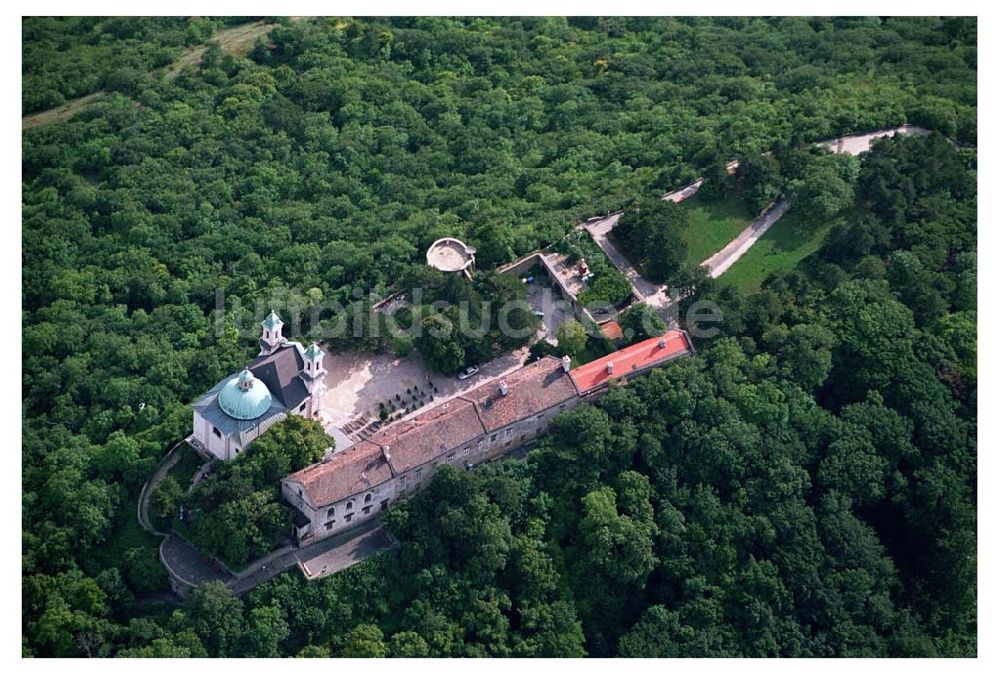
x=780 y=249
x=712 y=223
x=186 y=467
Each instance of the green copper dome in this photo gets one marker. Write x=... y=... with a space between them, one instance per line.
x=245 y=397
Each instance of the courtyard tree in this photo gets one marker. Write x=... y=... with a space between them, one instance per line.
x=759 y=179
x=640 y=322
x=290 y=445
x=652 y=231
x=572 y=337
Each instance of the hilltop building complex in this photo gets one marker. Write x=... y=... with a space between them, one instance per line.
x=354 y=484
x=483 y=424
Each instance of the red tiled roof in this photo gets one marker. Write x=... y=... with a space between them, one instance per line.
x=640 y=356
x=530 y=390
x=612 y=330
x=346 y=473
x=418 y=440
x=423 y=437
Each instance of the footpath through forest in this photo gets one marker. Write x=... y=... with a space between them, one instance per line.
x=235 y=40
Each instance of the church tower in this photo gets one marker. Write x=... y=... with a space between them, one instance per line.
x=312 y=374
x=271 y=338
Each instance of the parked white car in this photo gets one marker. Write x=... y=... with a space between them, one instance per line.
x=468 y=372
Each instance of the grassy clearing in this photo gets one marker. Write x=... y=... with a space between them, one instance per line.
x=782 y=247
x=712 y=223
x=62 y=112
x=237 y=40
x=185 y=468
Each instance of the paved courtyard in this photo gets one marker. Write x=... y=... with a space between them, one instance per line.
x=546 y=299
x=357 y=382
x=343 y=550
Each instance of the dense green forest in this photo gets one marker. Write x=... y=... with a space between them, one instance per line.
x=66 y=57
x=803 y=486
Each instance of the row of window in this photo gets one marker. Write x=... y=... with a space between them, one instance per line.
x=348 y=517
x=349 y=506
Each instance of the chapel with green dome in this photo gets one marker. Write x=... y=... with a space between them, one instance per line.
x=285 y=379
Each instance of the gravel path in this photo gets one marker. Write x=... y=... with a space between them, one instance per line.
x=655 y=295
x=852 y=144
x=734 y=250
x=855 y=144
x=652 y=294
x=172 y=457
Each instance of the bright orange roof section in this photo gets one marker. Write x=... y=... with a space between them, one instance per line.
x=612 y=330
x=633 y=359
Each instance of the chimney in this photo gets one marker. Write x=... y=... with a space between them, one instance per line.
x=565 y=363
x=503 y=387
x=611 y=368
x=663 y=343
x=385 y=451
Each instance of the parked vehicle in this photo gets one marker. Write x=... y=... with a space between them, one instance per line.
x=468 y=372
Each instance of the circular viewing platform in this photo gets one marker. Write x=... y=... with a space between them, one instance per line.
x=450 y=255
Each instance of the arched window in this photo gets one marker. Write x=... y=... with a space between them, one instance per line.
x=330 y=511
x=349 y=506
x=368 y=498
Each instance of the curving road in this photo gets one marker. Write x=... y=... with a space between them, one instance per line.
x=655 y=295
x=852 y=144
x=652 y=294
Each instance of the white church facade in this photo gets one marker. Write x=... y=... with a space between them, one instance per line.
x=285 y=379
